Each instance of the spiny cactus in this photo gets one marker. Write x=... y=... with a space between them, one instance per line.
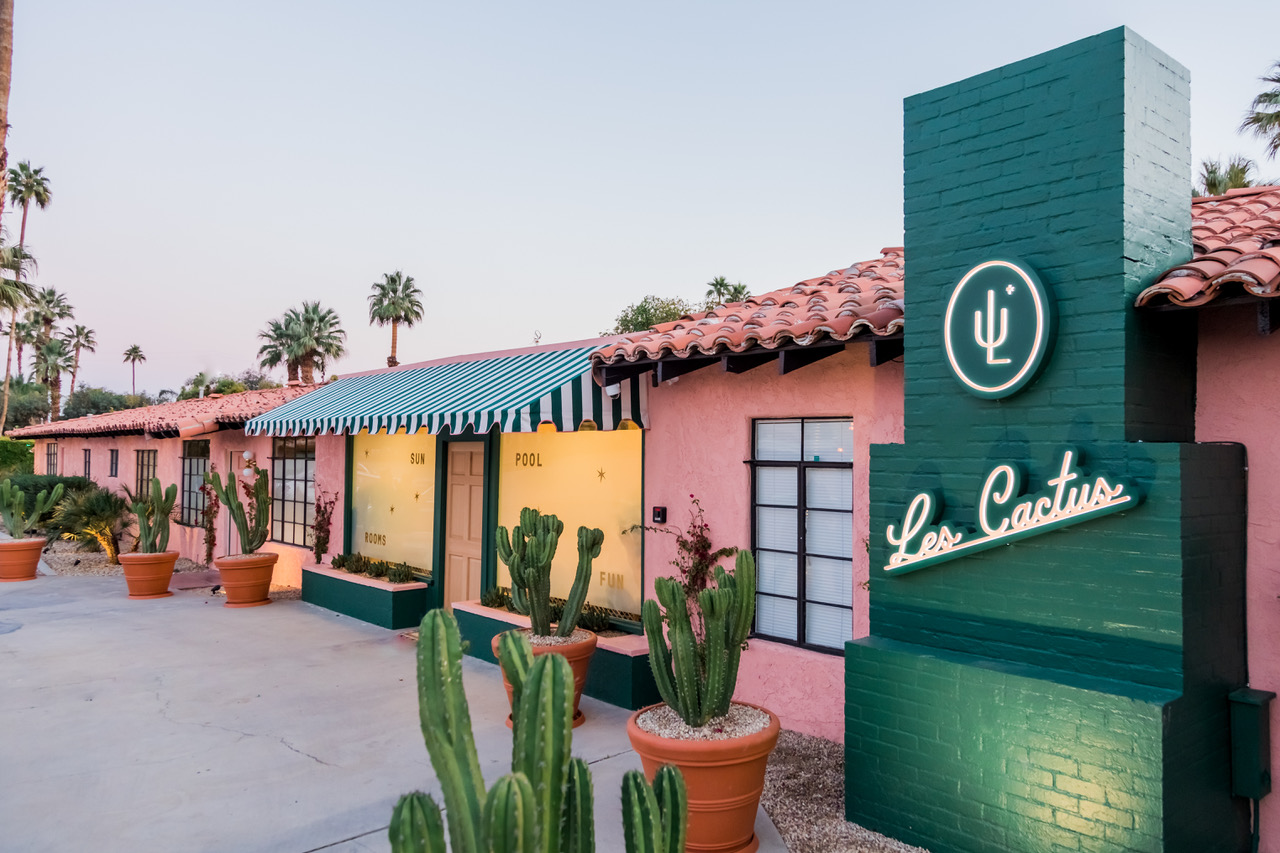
x=528 y=553
x=697 y=676
x=252 y=536
x=545 y=804
x=153 y=511
x=13 y=506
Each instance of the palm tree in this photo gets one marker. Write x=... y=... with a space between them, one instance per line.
x=6 y=76
x=717 y=288
x=25 y=332
x=1216 y=179
x=25 y=185
x=1263 y=118
x=51 y=361
x=133 y=355
x=395 y=300
x=737 y=293
x=14 y=294
x=78 y=338
x=280 y=348
x=48 y=307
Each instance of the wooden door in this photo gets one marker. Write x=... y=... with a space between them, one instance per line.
x=464 y=522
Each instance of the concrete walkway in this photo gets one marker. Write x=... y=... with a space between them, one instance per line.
x=178 y=724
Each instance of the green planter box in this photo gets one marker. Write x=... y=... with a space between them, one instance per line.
x=388 y=605
x=619 y=675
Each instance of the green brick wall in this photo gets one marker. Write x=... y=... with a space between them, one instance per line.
x=1067 y=691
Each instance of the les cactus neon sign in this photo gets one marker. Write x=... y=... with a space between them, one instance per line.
x=1004 y=514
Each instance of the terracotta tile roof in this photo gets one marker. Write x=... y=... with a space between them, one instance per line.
x=862 y=300
x=183 y=418
x=1235 y=241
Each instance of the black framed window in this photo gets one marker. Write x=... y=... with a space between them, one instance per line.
x=146 y=460
x=293 y=490
x=51 y=458
x=195 y=462
x=88 y=459
x=802 y=530
x=113 y=463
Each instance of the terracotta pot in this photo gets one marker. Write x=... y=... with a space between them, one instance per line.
x=19 y=559
x=246 y=578
x=579 y=656
x=148 y=575
x=724 y=779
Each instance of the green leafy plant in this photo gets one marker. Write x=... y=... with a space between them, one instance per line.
x=376 y=568
x=251 y=525
x=496 y=597
x=13 y=508
x=528 y=552
x=154 y=511
x=595 y=619
x=339 y=561
x=696 y=672
x=324 y=522
x=545 y=803
x=401 y=573
x=209 y=518
x=95 y=518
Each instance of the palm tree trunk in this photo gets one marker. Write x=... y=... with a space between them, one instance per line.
x=55 y=397
x=6 y=38
x=8 y=364
x=6 y=77
x=135 y=378
x=308 y=368
x=291 y=369
x=391 y=360
x=75 y=368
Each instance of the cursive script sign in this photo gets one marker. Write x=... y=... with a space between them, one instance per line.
x=1004 y=514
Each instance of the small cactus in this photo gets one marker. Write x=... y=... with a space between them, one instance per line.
x=697 y=676
x=13 y=506
x=528 y=552
x=153 y=511
x=545 y=804
x=252 y=536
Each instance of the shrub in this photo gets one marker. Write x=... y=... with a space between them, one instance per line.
x=400 y=573
x=16 y=457
x=32 y=485
x=94 y=518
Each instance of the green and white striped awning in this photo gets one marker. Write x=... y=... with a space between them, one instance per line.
x=517 y=392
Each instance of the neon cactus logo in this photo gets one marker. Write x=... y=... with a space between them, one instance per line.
x=998 y=328
x=1004 y=514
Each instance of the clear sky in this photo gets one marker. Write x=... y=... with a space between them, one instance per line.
x=534 y=166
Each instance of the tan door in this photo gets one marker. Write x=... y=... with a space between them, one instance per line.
x=464 y=522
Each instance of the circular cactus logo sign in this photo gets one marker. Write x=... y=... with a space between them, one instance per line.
x=998 y=329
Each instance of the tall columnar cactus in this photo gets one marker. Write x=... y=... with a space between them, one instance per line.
x=252 y=536
x=545 y=804
x=697 y=676
x=153 y=511
x=13 y=507
x=528 y=553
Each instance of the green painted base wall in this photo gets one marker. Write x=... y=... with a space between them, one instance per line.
x=382 y=607
x=622 y=680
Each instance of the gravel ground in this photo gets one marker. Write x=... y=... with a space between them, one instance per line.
x=742 y=720
x=804 y=794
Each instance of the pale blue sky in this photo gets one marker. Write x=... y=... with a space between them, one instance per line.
x=532 y=165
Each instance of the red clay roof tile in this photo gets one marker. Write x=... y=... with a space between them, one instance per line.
x=184 y=417
x=862 y=300
x=1235 y=240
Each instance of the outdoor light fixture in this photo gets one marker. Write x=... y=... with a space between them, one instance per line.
x=614 y=391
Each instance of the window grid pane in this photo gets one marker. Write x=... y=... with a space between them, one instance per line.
x=195 y=462
x=51 y=458
x=114 y=464
x=293 y=490
x=803 y=517
x=88 y=460
x=146 y=470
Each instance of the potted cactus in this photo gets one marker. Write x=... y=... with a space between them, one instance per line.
x=545 y=802
x=528 y=553
x=246 y=576
x=20 y=556
x=147 y=571
x=721 y=746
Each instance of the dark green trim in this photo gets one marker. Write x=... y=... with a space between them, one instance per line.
x=489 y=515
x=644 y=506
x=348 y=492
x=386 y=608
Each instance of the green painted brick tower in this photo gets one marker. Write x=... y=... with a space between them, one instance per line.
x=1059 y=682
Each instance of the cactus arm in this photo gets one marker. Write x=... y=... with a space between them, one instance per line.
x=416 y=826
x=543 y=732
x=673 y=802
x=716 y=605
x=446 y=727
x=659 y=652
x=251 y=538
x=641 y=819
x=686 y=661
x=44 y=502
x=12 y=508
x=163 y=513
x=510 y=824
x=144 y=527
x=744 y=578
x=515 y=656
x=589 y=542
x=577 y=820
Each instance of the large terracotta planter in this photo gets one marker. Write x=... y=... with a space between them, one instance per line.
x=148 y=575
x=579 y=656
x=724 y=779
x=246 y=578
x=19 y=559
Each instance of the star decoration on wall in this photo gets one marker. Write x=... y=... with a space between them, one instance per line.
x=393 y=510
x=366 y=454
x=417 y=495
x=600 y=474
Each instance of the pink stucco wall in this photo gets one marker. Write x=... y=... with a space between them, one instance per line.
x=1238 y=399
x=189 y=541
x=699 y=436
